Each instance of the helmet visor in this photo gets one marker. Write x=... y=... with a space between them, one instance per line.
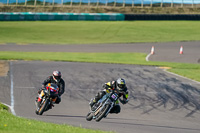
x=57 y=77
x=121 y=86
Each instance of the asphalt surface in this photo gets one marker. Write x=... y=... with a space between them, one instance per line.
x=159 y=101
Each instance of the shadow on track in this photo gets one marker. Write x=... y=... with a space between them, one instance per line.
x=66 y=116
x=171 y=97
x=151 y=125
x=150 y=89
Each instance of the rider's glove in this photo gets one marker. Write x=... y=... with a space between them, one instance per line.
x=105 y=86
x=43 y=86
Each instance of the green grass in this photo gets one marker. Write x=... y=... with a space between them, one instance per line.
x=12 y=124
x=3 y=107
x=93 y=32
x=184 y=69
x=125 y=58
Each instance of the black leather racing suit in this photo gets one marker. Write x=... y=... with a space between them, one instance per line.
x=60 y=84
x=111 y=86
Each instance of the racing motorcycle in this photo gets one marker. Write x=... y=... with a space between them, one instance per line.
x=102 y=108
x=48 y=97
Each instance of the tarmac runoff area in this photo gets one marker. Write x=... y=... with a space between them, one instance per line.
x=159 y=101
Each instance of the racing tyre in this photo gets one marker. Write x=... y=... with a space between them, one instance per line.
x=89 y=117
x=102 y=113
x=43 y=107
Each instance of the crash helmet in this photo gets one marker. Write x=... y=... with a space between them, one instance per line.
x=121 y=84
x=57 y=76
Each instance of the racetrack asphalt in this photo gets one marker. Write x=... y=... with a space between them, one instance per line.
x=159 y=101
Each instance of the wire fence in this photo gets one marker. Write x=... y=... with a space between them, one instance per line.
x=114 y=3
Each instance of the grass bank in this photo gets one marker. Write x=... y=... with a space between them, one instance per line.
x=76 y=8
x=185 y=69
x=12 y=124
x=93 y=32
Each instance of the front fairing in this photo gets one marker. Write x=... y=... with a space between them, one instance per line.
x=47 y=93
x=109 y=98
x=51 y=92
x=113 y=97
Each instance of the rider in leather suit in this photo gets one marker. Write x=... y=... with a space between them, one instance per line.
x=56 y=79
x=120 y=85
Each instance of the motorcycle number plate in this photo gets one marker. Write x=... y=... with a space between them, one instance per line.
x=114 y=96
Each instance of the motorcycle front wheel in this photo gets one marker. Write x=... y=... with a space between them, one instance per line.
x=101 y=114
x=43 y=107
x=89 y=116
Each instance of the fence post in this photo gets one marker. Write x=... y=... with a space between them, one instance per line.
x=16 y=2
x=25 y=2
x=151 y=3
x=44 y=3
x=192 y=3
x=161 y=5
x=133 y=3
x=97 y=3
x=182 y=4
x=80 y=3
x=35 y=2
x=124 y=1
x=172 y=4
x=114 y=3
x=71 y=2
x=142 y=4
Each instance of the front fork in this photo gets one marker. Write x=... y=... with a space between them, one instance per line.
x=100 y=109
x=112 y=104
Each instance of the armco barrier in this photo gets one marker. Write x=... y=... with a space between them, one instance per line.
x=29 y=16
x=132 y=17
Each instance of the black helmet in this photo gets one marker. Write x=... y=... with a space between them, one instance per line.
x=57 y=75
x=121 y=84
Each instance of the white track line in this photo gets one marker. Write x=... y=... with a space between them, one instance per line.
x=147 y=58
x=7 y=105
x=12 y=91
x=180 y=76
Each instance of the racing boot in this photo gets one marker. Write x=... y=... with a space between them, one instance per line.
x=50 y=106
x=92 y=102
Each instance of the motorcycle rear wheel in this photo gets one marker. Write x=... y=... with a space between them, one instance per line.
x=101 y=114
x=43 y=107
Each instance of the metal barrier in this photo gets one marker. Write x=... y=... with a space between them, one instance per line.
x=132 y=17
x=30 y=16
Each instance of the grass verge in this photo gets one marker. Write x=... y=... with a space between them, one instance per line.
x=185 y=69
x=13 y=124
x=93 y=32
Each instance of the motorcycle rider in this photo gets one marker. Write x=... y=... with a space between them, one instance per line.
x=56 y=79
x=120 y=86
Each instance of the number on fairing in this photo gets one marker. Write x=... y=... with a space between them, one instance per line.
x=114 y=96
